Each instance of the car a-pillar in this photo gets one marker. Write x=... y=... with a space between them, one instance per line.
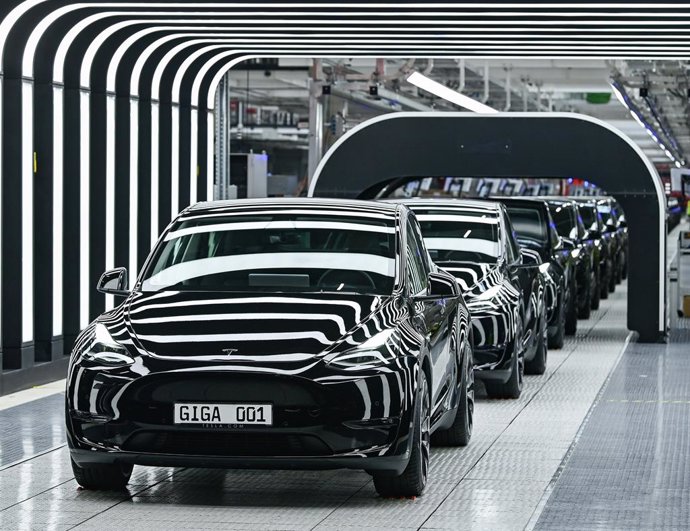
x=534 y=145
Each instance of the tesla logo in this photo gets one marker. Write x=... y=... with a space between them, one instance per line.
x=229 y=351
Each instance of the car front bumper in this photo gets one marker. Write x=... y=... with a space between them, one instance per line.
x=361 y=421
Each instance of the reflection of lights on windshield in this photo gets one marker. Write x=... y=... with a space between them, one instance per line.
x=342 y=285
x=559 y=209
x=467 y=233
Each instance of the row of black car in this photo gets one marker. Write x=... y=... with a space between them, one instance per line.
x=329 y=334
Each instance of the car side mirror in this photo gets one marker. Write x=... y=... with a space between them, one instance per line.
x=440 y=287
x=530 y=258
x=114 y=282
x=568 y=243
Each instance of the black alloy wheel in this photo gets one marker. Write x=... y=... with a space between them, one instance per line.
x=460 y=433
x=102 y=477
x=571 y=311
x=586 y=309
x=413 y=479
x=596 y=290
x=557 y=339
x=537 y=365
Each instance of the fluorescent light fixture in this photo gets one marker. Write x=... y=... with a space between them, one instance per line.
x=175 y=162
x=27 y=189
x=154 y=173
x=193 y=156
x=57 y=209
x=210 y=151
x=437 y=89
x=133 y=186
x=84 y=221
x=110 y=192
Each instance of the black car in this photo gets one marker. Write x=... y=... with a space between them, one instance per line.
x=502 y=286
x=294 y=333
x=595 y=234
x=571 y=229
x=617 y=233
x=535 y=230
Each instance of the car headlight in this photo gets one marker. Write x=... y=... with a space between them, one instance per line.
x=377 y=351
x=105 y=351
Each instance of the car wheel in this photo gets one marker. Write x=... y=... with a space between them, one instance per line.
x=586 y=309
x=604 y=282
x=557 y=339
x=612 y=278
x=102 y=477
x=413 y=479
x=624 y=273
x=596 y=291
x=460 y=433
x=537 y=365
x=513 y=387
x=571 y=312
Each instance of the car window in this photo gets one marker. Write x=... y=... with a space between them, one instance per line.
x=457 y=235
x=513 y=249
x=529 y=225
x=417 y=267
x=564 y=218
x=278 y=251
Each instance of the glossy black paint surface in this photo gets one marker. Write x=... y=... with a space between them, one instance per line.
x=505 y=296
x=292 y=348
x=599 y=238
x=571 y=229
x=558 y=266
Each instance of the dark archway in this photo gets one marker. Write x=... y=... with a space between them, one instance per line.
x=538 y=145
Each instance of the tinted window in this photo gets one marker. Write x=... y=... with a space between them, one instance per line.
x=454 y=235
x=276 y=252
x=563 y=217
x=589 y=217
x=513 y=248
x=529 y=224
x=416 y=271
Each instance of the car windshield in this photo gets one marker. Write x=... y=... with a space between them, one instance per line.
x=564 y=220
x=276 y=252
x=453 y=235
x=589 y=217
x=607 y=213
x=529 y=225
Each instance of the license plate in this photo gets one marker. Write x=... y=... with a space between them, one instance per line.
x=224 y=414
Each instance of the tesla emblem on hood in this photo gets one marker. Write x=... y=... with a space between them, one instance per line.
x=229 y=351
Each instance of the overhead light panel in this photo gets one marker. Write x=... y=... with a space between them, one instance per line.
x=437 y=89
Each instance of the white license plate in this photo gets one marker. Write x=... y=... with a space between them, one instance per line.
x=224 y=414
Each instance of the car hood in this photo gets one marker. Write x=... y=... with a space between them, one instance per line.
x=473 y=278
x=244 y=327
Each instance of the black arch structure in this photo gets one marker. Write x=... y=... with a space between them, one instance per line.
x=37 y=325
x=559 y=145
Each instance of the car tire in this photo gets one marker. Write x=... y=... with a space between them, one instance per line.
x=557 y=339
x=537 y=365
x=571 y=312
x=612 y=277
x=596 y=291
x=513 y=387
x=102 y=477
x=624 y=272
x=413 y=479
x=604 y=285
x=460 y=433
x=585 y=310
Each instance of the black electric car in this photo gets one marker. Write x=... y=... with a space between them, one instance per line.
x=595 y=234
x=535 y=230
x=502 y=286
x=571 y=229
x=617 y=234
x=294 y=333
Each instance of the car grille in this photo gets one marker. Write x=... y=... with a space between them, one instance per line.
x=226 y=444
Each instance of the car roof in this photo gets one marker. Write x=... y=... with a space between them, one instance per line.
x=431 y=202
x=353 y=205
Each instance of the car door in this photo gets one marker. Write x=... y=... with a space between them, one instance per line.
x=523 y=277
x=431 y=317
